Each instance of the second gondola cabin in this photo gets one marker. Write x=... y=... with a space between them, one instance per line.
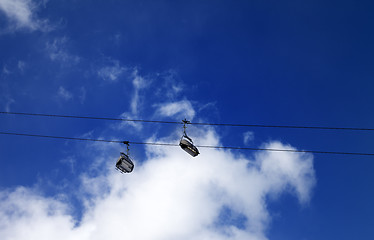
x=124 y=164
x=187 y=145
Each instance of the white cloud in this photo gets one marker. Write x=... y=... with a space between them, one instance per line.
x=128 y=115
x=248 y=137
x=6 y=70
x=179 y=109
x=111 y=73
x=12 y=68
x=169 y=196
x=285 y=170
x=21 y=65
x=208 y=106
x=82 y=96
x=8 y=101
x=57 y=51
x=139 y=83
x=116 y=38
x=168 y=86
x=64 y=94
x=71 y=162
x=21 y=15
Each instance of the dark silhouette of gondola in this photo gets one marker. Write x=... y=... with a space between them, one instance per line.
x=124 y=163
x=186 y=142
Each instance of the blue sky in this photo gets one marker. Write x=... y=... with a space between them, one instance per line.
x=276 y=63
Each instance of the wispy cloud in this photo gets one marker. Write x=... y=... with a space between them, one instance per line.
x=139 y=83
x=21 y=65
x=57 y=51
x=6 y=71
x=111 y=72
x=12 y=67
x=169 y=196
x=168 y=86
x=21 y=14
x=8 y=102
x=248 y=137
x=179 y=109
x=64 y=94
x=82 y=96
x=71 y=162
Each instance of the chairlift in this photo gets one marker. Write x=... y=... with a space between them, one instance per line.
x=186 y=143
x=124 y=163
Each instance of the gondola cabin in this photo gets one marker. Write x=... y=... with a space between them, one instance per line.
x=187 y=145
x=124 y=164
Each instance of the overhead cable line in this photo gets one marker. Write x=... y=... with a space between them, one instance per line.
x=87 y=117
x=177 y=145
x=192 y=123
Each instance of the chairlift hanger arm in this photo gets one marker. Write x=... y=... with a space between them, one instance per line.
x=185 y=121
